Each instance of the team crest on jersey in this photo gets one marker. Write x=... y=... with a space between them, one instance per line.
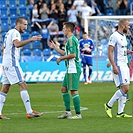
x=125 y=80
x=16 y=34
x=111 y=38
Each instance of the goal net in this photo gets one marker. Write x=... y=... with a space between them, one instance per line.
x=99 y=29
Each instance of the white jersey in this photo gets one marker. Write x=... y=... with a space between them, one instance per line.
x=119 y=42
x=11 y=53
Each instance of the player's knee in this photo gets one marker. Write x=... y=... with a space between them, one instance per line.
x=63 y=89
x=5 y=88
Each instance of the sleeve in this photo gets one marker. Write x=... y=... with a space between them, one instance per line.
x=112 y=40
x=16 y=36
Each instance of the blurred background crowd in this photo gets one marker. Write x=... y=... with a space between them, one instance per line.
x=46 y=17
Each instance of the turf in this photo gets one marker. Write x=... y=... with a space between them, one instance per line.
x=47 y=97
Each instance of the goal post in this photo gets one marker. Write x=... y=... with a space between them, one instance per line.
x=99 y=29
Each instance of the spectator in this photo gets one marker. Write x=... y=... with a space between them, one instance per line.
x=61 y=16
x=72 y=14
x=34 y=15
x=53 y=30
x=94 y=7
x=68 y=4
x=39 y=5
x=59 y=3
x=100 y=5
x=44 y=33
x=51 y=2
x=86 y=11
x=53 y=13
x=122 y=7
x=44 y=11
x=77 y=32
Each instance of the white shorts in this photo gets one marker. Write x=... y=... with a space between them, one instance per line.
x=123 y=77
x=12 y=75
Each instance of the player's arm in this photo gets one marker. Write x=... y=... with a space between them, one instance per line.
x=18 y=43
x=129 y=52
x=108 y=64
x=55 y=47
x=65 y=57
x=111 y=59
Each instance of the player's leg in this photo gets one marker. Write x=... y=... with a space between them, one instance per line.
x=66 y=99
x=122 y=102
x=90 y=72
x=15 y=76
x=26 y=100
x=89 y=64
x=3 y=94
x=84 y=72
x=125 y=89
x=116 y=96
x=74 y=86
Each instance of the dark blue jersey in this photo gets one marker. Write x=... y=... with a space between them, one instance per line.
x=86 y=46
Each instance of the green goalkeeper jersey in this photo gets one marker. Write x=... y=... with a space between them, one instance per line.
x=72 y=46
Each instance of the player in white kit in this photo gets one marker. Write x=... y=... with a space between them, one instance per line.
x=117 y=53
x=12 y=72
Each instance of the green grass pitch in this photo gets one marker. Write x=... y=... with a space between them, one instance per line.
x=47 y=97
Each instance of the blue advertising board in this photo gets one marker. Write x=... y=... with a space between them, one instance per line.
x=51 y=72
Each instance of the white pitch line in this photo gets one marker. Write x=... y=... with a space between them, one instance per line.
x=52 y=112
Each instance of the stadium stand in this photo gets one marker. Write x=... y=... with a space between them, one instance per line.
x=37 y=52
x=27 y=52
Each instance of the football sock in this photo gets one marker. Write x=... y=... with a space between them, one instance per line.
x=76 y=102
x=66 y=99
x=90 y=72
x=2 y=101
x=84 y=72
x=115 y=97
x=121 y=104
x=26 y=100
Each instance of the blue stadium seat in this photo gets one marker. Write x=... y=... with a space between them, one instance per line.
x=54 y=52
x=22 y=11
x=22 y=2
x=3 y=3
x=46 y=52
x=35 y=33
x=3 y=36
x=13 y=20
x=27 y=52
x=4 y=27
x=4 y=20
x=109 y=11
x=37 y=52
x=12 y=3
x=36 y=44
x=25 y=35
x=13 y=10
x=27 y=46
x=4 y=11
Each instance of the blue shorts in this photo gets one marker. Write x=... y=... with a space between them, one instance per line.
x=87 y=60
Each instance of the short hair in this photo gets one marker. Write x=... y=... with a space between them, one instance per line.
x=69 y=25
x=85 y=32
x=122 y=21
x=19 y=20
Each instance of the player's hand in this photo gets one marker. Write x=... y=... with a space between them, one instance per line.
x=115 y=69
x=108 y=65
x=34 y=38
x=51 y=44
x=58 y=61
